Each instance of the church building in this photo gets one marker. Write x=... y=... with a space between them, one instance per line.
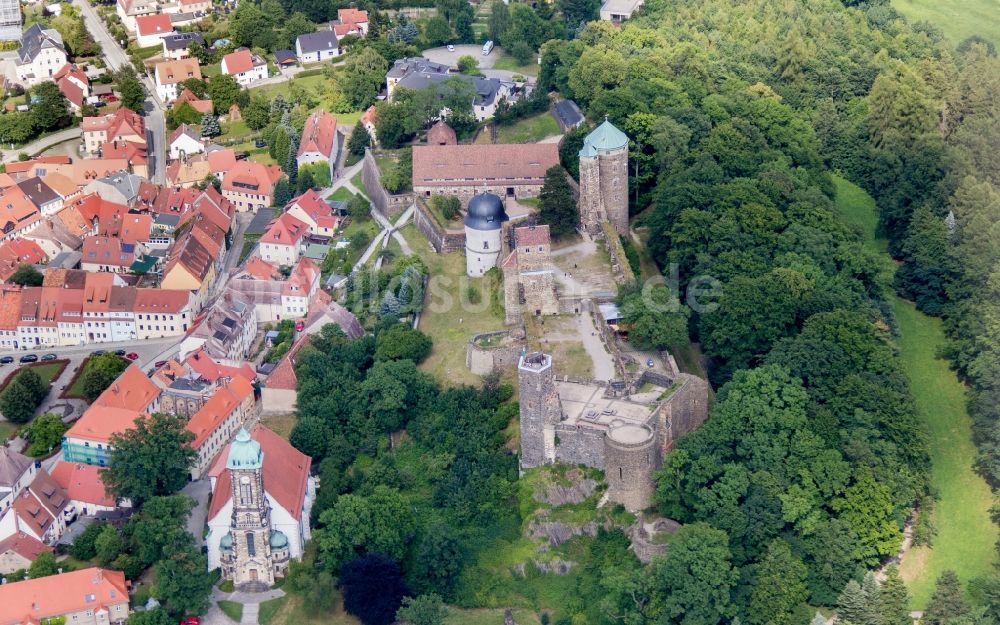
x=258 y=518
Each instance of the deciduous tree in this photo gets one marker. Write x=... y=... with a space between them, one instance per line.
x=152 y=459
x=373 y=588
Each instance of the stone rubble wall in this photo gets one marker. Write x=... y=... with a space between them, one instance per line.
x=387 y=204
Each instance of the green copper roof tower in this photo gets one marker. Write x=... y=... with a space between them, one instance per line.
x=244 y=452
x=604 y=138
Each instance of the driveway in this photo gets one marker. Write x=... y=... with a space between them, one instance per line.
x=441 y=55
x=200 y=491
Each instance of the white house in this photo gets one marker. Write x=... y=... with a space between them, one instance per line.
x=319 y=141
x=246 y=67
x=316 y=47
x=282 y=243
x=169 y=74
x=185 y=141
x=151 y=29
x=40 y=56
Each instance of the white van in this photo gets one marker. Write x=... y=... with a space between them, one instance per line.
x=487 y=47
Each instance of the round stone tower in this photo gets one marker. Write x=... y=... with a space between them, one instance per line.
x=604 y=179
x=630 y=459
x=483 y=225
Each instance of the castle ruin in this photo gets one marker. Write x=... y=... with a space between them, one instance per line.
x=620 y=431
x=528 y=279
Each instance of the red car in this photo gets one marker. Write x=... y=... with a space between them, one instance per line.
x=190 y=620
x=132 y=356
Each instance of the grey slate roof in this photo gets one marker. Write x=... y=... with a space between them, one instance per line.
x=402 y=67
x=314 y=42
x=38 y=192
x=35 y=39
x=568 y=113
x=283 y=57
x=180 y=41
x=486 y=89
x=12 y=466
x=127 y=184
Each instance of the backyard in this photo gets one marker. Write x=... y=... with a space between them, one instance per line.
x=528 y=130
x=961 y=514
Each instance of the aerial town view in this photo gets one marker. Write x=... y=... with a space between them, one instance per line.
x=497 y=312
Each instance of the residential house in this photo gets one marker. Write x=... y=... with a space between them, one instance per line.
x=52 y=238
x=401 y=68
x=282 y=243
x=17 y=252
x=320 y=142
x=285 y=59
x=74 y=84
x=317 y=46
x=202 y=106
x=120 y=187
x=201 y=364
x=188 y=171
x=274 y=296
x=132 y=153
x=18 y=214
x=617 y=11
x=249 y=185
x=185 y=141
x=21 y=170
x=317 y=214
x=226 y=331
x=190 y=267
x=177 y=46
x=16 y=472
x=151 y=29
x=36 y=510
x=129 y=10
x=10 y=315
x=161 y=313
x=84 y=487
x=90 y=596
x=122 y=125
x=83 y=171
x=245 y=66
x=40 y=56
x=368 y=121
x=418 y=74
x=18 y=551
x=42 y=196
x=169 y=74
x=350 y=22
x=63 y=185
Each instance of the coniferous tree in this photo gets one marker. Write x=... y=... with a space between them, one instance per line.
x=557 y=206
x=210 y=126
x=359 y=140
x=948 y=603
x=851 y=605
x=894 y=600
x=873 y=600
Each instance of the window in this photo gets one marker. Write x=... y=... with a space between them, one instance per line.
x=251 y=546
x=486 y=245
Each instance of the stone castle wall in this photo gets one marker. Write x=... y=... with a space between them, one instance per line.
x=387 y=204
x=684 y=411
x=466 y=192
x=629 y=468
x=443 y=241
x=485 y=360
x=579 y=446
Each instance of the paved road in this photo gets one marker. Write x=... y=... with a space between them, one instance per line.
x=36 y=147
x=604 y=364
x=116 y=58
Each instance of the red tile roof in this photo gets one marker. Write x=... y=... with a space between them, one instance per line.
x=237 y=62
x=32 y=600
x=151 y=300
x=532 y=235
x=24 y=545
x=173 y=72
x=202 y=106
x=285 y=473
x=17 y=252
x=259 y=268
x=82 y=482
x=286 y=230
x=106 y=250
x=156 y=24
x=10 y=307
x=319 y=134
x=248 y=177
x=226 y=399
x=470 y=165
x=132 y=391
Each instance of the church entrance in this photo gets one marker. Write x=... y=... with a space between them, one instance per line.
x=253 y=575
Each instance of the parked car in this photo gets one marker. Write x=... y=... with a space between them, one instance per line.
x=119 y=352
x=49 y=357
x=487 y=47
x=97 y=352
x=451 y=48
x=132 y=356
x=190 y=620
x=650 y=363
x=29 y=358
x=159 y=363
x=6 y=360
x=242 y=156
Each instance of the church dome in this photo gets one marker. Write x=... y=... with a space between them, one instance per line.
x=244 y=452
x=604 y=138
x=278 y=540
x=486 y=212
x=226 y=544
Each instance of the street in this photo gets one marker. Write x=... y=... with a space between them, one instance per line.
x=116 y=58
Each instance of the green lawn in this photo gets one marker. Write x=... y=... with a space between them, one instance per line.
x=529 y=130
x=76 y=389
x=8 y=430
x=508 y=63
x=965 y=534
x=234 y=130
x=48 y=371
x=232 y=609
x=341 y=195
x=957 y=18
x=290 y=610
x=445 y=318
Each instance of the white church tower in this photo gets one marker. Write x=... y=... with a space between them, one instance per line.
x=483 y=229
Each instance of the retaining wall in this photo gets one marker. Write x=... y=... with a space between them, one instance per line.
x=443 y=241
x=387 y=204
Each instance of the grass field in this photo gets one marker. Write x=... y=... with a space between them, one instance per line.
x=510 y=64
x=965 y=533
x=957 y=18
x=448 y=318
x=529 y=129
x=281 y=424
x=289 y=610
x=232 y=609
